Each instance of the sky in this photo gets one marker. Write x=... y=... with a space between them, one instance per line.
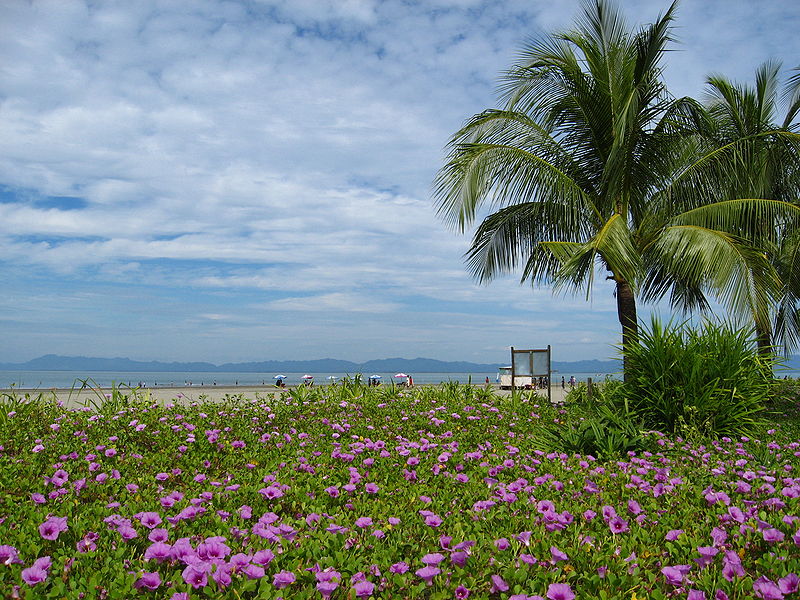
x=245 y=180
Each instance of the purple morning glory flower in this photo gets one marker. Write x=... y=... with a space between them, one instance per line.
x=363 y=589
x=399 y=568
x=34 y=575
x=263 y=557
x=674 y=534
x=560 y=591
x=196 y=575
x=432 y=559
x=502 y=544
x=498 y=584
x=557 y=555
x=789 y=584
x=433 y=521
x=732 y=566
x=618 y=525
x=148 y=581
x=8 y=555
x=461 y=592
x=766 y=589
x=50 y=529
x=772 y=535
x=707 y=554
x=427 y=573
x=283 y=579
x=158 y=551
x=363 y=522
x=674 y=575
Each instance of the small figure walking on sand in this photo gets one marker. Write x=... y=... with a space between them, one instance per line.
x=572 y=382
x=562 y=382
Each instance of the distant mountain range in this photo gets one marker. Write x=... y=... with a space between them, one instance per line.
x=52 y=362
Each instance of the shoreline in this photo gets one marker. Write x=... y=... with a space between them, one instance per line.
x=214 y=393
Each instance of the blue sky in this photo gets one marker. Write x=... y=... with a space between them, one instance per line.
x=251 y=180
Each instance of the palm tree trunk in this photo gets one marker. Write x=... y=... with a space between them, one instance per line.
x=626 y=310
x=764 y=339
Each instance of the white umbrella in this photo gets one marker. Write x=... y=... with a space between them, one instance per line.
x=332 y=377
x=279 y=377
x=308 y=377
x=374 y=376
x=401 y=375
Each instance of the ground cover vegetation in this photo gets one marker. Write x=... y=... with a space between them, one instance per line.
x=351 y=491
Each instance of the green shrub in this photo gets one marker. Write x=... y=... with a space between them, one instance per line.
x=707 y=381
x=607 y=432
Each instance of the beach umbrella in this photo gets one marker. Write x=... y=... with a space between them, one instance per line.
x=308 y=377
x=279 y=377
x=332 y=377
x=374 y=376
x=401 y=375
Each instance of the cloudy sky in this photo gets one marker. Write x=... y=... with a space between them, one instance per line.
x=251 y=180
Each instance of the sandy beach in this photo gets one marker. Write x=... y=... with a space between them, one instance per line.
x=186 y=394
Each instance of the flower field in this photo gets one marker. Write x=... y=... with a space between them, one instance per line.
x=354 y=492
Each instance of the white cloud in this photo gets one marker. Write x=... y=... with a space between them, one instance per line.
x=248 y=160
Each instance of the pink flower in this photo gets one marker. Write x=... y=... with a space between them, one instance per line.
x=618 y=525
x=149 y=581
x=51 y=528
x=433 y=521
x=498 y=585
x=158 y=551
x=399 y=568
x=560 y=591
x=363 y=589
x=674 y=534
x=432 y=559
x=196 y=575
x=149 y=519
x=789 y=584
x=462 y=592
x=283 y=579
x=766 y=589
x=772 y=535
x=557 y=555
x=271 y=493
x=33 y=575
x=263 y=557
x=427 y=573
x=675 y=575
x=8 y=555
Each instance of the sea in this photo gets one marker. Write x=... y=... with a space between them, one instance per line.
x=45 y=380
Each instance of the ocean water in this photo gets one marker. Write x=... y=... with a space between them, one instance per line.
x=44 y=380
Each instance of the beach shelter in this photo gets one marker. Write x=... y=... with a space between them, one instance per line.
x=307 y=377
x=401 y=375
x=374 y=376
x=281 y=377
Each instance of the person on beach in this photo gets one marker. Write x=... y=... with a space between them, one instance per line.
x=572 y=382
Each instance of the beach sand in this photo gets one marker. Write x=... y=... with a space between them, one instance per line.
x=188 y=394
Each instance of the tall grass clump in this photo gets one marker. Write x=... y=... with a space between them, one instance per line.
x=708 y=380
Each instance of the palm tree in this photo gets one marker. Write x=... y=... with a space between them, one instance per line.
x=746 y=153
x=576 y=165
